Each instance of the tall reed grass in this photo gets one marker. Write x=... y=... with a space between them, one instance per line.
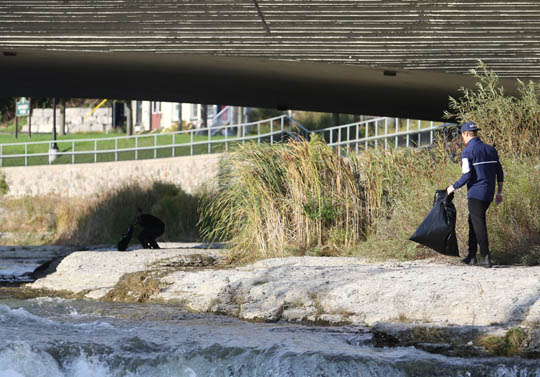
x=302 y=198
x=296 y=198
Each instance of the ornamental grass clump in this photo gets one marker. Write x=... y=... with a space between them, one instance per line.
x=293 y=199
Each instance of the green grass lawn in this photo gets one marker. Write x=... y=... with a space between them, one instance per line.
x=150 y=146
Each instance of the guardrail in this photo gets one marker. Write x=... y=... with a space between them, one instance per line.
x=146 y=146
x=368 y=133
x=350 y=137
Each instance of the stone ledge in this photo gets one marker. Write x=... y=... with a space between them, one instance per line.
x=315 y=289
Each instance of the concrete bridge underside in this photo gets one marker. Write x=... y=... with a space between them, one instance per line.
x=398 y=58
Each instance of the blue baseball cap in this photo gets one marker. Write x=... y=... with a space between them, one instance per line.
x=469 y=126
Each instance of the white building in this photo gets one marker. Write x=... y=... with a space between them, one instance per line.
x=151 y=115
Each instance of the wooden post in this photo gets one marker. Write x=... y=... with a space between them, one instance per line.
x=16 y=126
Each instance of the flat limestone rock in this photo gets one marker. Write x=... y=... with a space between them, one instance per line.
x=97 y=272
x=348 y=290
x=318 y=289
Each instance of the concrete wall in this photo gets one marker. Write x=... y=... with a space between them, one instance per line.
x=90 y=179
x=77 y=120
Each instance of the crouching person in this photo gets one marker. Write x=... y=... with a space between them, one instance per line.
x=152 y=228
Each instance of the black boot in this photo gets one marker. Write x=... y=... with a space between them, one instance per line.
x=471 y=259
x=485 y=261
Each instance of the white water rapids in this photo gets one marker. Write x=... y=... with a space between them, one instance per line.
x=56 y=337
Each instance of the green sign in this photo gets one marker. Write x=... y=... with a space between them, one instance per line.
x=23 y=107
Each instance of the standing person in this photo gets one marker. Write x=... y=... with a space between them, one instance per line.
x=480 y=169
x=152 y=229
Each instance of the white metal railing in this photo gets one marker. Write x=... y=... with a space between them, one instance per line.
x=171 y=144
x=381 y=131
x=352 y=137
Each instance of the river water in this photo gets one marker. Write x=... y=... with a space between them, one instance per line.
x=53 y=337
x=58 y=337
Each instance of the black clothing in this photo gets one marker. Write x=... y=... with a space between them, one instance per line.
x=152 y=229
x=477 y=227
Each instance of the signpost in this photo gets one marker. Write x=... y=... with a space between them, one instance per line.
x=22 y=109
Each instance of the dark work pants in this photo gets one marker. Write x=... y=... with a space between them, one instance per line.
x=148 y=236
x=477 y=227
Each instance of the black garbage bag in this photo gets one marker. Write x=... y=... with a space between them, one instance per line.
x=438 y=230
x=124 y=241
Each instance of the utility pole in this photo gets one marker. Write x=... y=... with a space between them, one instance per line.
x=62 y=116
x=129 y=118
x=204 y=115
x=179 y=116
x=240 y=111
x=335 y=119
x=29 y=117
x=54 y=146
x=150 y=114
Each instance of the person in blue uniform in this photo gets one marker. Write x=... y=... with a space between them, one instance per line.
x=481 y=172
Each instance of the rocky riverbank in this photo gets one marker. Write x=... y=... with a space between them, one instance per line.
x=429 y=294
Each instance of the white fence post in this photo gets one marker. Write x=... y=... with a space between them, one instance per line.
x=366 y=135
x=357 y=135
x=339 y=141
x=271 y=132
x=376 y=133
x=227 y=138
x=419 y=133
x=408 y=128
x=386 y=133
x=397 y=129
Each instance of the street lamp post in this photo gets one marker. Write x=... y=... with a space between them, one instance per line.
x=53 y=151
x=54 y=145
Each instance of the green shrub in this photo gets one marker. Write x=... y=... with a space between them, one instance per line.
x=512 y=344
x=4 y=188
x=315 y=121
x=511 y=123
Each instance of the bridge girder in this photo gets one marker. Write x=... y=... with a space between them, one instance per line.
x=324 y=55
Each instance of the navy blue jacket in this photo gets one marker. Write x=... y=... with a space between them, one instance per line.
x=480 y=168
